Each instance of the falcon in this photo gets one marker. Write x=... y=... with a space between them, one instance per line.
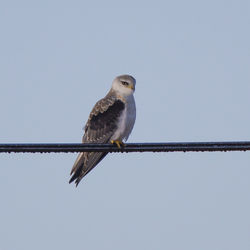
x=110 y=121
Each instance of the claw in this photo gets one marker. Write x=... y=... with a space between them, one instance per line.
x=118 y=143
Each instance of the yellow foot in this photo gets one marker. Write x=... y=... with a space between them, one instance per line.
x=118 y=143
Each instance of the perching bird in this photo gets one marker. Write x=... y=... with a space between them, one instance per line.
x=111 y=120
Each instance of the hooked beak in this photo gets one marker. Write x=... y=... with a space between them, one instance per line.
x=131 y=87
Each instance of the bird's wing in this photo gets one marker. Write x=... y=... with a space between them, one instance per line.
x=100 y=127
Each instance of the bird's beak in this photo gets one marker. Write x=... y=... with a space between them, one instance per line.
x=131 y=87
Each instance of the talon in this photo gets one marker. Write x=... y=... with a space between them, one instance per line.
x=118 y=143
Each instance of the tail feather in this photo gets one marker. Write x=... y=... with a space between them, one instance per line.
x=75 y=175
x=77 y=167
x=84 y=163
x=78 y=163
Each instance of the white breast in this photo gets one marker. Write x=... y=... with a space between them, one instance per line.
x=126 y=121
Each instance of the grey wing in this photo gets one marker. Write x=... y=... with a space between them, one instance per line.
x=100 y=127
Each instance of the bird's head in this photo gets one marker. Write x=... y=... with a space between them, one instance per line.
x=124 y=85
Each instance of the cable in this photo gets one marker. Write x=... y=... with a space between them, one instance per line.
x=130 y=147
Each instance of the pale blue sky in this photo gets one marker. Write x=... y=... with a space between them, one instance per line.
x=191 y=60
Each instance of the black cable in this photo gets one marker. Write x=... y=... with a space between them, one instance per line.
x=130 y=147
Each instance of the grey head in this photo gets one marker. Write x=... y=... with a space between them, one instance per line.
x=124 y=85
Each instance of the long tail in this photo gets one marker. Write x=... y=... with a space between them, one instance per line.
x=77 y=168
x=82 y=166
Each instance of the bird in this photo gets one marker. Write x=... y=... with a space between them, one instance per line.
x=110 y=121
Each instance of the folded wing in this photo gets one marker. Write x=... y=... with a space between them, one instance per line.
x=101 y=125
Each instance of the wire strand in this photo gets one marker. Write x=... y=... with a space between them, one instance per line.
x=128 y=148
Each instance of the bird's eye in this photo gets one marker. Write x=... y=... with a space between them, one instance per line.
x=124 y=83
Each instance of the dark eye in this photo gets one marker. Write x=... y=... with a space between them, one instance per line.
x=124 y=83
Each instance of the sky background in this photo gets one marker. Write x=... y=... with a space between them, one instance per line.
x=191 y=60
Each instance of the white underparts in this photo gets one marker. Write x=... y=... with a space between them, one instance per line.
x=126 y=120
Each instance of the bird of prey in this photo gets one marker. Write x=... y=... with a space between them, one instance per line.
x=110 y=121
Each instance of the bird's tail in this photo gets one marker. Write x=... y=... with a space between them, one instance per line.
x=77 y=168
x=84 y=163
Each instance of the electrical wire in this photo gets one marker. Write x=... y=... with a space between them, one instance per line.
x=130 y=147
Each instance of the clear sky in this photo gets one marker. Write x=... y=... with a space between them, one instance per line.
x=191 y=60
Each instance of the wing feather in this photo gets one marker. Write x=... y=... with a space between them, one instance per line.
x=100 y=127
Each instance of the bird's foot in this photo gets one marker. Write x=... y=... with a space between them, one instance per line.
x=118 y=143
